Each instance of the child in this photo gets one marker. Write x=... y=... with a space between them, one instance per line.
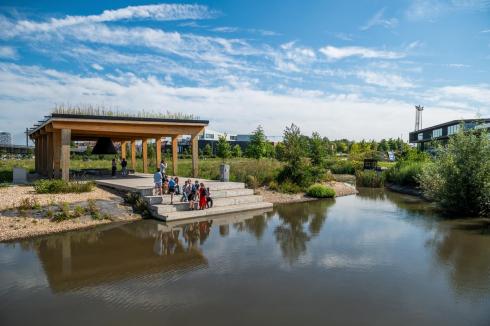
x=209 y=200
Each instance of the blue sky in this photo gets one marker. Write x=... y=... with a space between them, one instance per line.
x=351 y=69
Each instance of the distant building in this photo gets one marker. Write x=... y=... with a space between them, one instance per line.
x=5 y=138
x=443 y=131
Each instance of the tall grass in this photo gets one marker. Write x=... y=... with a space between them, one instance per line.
x=369 y=178
x=405 y=173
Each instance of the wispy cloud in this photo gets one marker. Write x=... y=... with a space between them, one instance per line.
x=291 y=57
x=160 y=12
x=229 y=29
x=338 y=53
x=8 y=52
x=390 y=81
x=379 y=20
x=431 y=9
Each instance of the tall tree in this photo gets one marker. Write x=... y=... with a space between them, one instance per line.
x=257 y=147
x=223 y=148
x=317 y=149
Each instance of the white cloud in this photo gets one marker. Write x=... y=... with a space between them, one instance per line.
x=292 y=58
x=97 y=67
x=379 y=20
x=385 y=80
x=161 y=12
x=485 y=31
x=337 y=53
x=8 y=52
x=466 y=93
x=32 y=91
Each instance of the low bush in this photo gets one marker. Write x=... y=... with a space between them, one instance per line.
x=370 y=179
x=320 y=191
x=252 y=182
x=56 y=186
x=92 y=209
x=273 y=186
x=289 y=187
x=29 y=203
x=63 y=213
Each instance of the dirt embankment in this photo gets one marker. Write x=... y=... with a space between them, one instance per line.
x=18 y=221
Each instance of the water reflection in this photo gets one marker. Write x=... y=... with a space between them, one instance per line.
x=291 y=234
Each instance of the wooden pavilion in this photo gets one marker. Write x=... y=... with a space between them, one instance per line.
x=52 y=138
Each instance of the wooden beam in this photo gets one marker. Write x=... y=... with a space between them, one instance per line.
x=130 y=129
x=41 y=155
x=133 y=154
x=159 y=151
x=195 y=156
x=57 y=153
x=65 y=154
x=145 y=155
x=175 y=154
x=36 y=155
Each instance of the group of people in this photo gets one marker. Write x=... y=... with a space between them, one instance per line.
x=124 y=167
x=191 y=192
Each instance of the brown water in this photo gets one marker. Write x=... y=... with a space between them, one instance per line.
x=374 y=259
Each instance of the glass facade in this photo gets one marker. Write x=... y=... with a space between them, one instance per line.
x=437 y=133
x=451 y=130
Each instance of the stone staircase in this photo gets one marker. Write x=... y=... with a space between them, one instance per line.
x=228 y=197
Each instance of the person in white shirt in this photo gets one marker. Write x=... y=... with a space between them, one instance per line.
x=163 y=168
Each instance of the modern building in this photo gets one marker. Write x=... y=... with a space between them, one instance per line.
x=5 y=138
x=443 y=131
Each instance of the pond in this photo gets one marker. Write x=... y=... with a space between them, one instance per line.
x=378 y=258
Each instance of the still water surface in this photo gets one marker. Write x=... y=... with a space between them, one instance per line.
x=378 y=258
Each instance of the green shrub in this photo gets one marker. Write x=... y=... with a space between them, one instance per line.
x=459 y=178
x=57 y=186
x=344 y=166
x=252 y=182
x=273 y=186
x=92 y=209
x=320 y=191
x=78 y=211
x=405 y=173
x=63 y=213
x=370 y=179
x=29 y=203
x=289 y=187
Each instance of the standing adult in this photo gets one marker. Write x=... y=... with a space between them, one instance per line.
x=171 y=190
x=163 y=168
x=114 y=168
x=124 y=164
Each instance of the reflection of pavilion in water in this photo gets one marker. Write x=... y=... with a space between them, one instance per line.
x=80 y=259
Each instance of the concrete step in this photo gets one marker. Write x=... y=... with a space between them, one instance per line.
x=217 y=202
x=155 y=200
x=173 y=216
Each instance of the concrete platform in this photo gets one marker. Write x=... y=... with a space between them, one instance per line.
x=228 y=197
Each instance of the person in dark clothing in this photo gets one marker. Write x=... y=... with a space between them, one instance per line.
x=124 y=164
x=114 y=167
x=209 y=200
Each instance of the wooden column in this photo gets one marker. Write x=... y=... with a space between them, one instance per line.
x=65 y=154
x=36 y=155
x=175 y=154
x=57 y=154
x=41 y=155
x=158 y=141
x=123 y=149
x=144 y=146
x=49 y=155
x=133 y=154
x=195 y=155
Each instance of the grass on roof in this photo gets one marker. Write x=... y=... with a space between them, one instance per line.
x=104 y=111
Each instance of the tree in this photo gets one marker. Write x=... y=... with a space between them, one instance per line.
x=295 y=148
x=317 y=149
x=237 y=151
x=223 y=148
x=280 y=149
x=459 y=178
x=270 y=150
x=208 y=150
x=257 y=147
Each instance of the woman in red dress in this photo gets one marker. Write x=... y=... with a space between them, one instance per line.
x=202 y=196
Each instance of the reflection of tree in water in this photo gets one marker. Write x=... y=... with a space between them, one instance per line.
x=255 y=225
x=465 y=248
x=194 y=232
x=291 y=234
